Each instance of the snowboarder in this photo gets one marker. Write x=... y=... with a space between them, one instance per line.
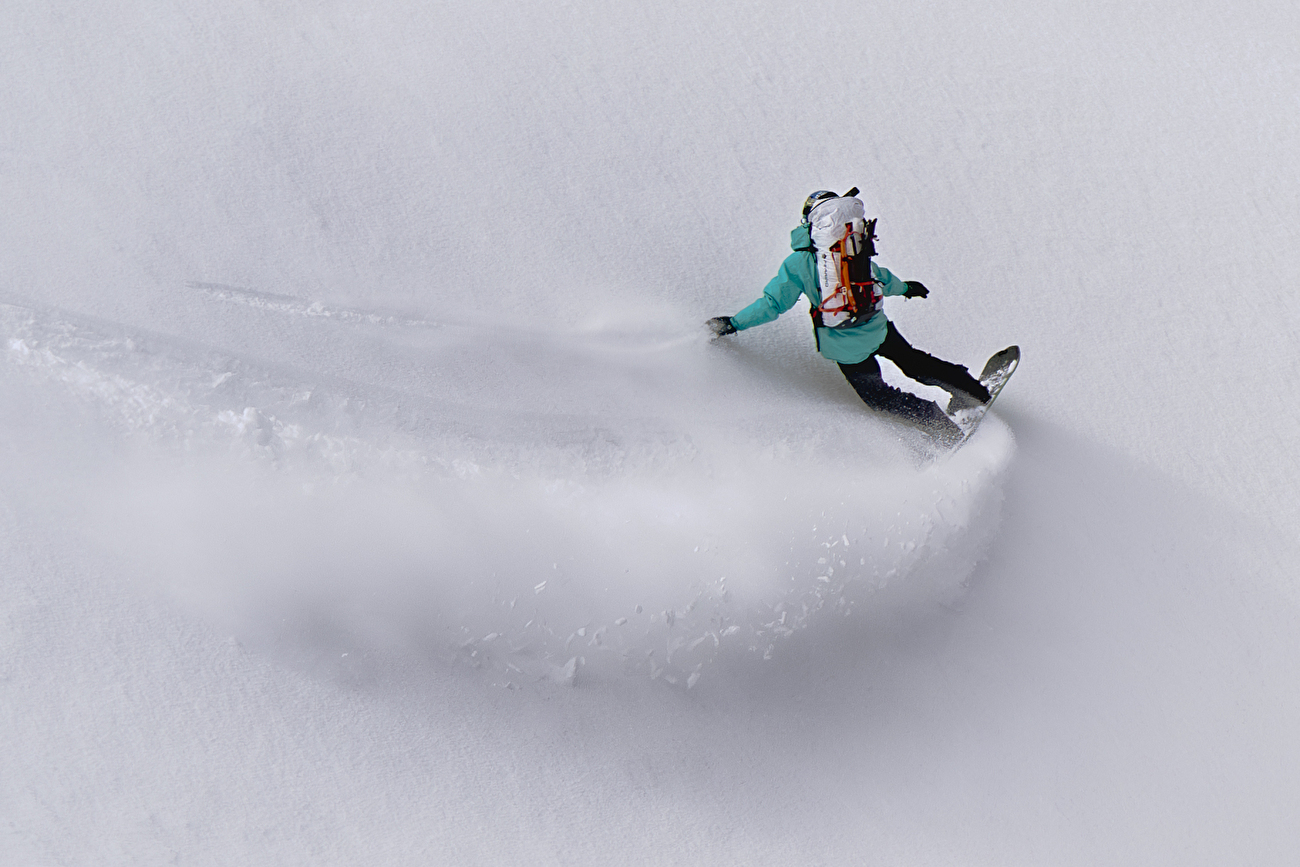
x=849 y=319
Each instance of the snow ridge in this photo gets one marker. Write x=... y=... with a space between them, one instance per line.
x=298 y=307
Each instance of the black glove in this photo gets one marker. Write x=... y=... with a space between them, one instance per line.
x=916 y=289
x=721 y=325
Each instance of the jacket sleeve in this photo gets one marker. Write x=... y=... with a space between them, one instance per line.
x=795 y=278
x=889 y=284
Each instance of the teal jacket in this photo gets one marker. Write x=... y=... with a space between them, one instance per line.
x=798 y=276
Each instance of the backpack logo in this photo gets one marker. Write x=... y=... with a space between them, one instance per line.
x=844 y=242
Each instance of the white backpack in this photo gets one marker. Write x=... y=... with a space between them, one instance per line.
x=844 y=243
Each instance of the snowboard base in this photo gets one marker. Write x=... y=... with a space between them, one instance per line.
x=997 y=371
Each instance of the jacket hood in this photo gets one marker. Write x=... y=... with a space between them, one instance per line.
x=800 y=238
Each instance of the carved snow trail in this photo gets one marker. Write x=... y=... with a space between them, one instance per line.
x=651 y=548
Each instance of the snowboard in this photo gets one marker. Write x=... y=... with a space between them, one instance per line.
x=997 y=371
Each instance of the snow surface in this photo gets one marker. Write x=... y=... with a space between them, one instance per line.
x=371 y=494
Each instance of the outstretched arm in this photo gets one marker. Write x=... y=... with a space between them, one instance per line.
x=795 y=278
x=888 y=281
x=891 y=285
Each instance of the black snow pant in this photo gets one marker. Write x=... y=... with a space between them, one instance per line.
x=924 y=368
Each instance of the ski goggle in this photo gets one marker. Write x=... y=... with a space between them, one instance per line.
x=813 y=200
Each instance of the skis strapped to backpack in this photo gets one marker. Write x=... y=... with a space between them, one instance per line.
x=844 y=243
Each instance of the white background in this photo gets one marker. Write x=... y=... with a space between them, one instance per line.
x=567 y=190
